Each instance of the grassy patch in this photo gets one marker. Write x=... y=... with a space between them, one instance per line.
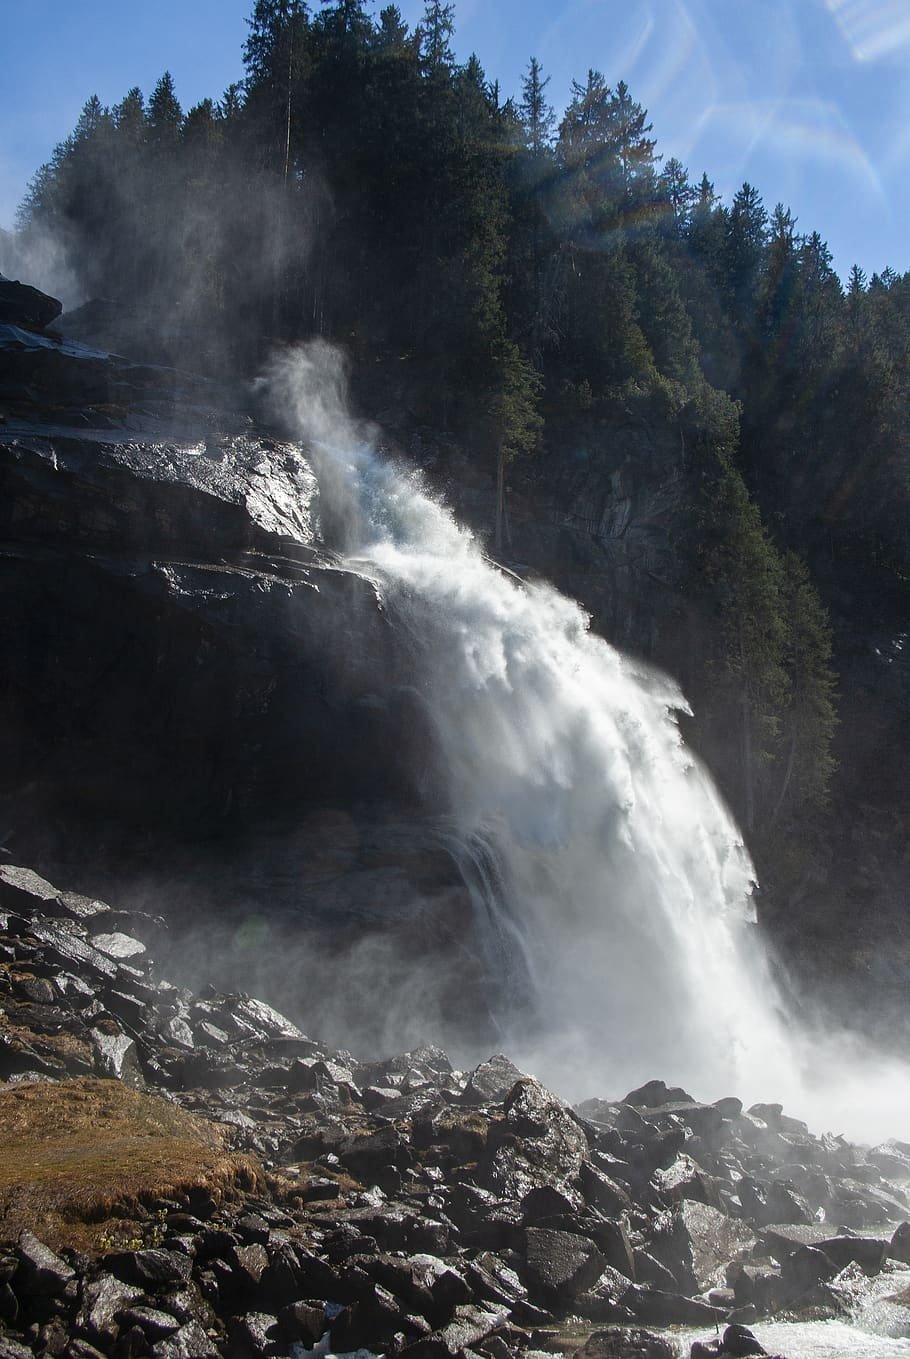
x=81 y=1160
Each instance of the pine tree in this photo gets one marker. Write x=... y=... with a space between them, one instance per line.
x=164 y=115
x=129 y=117
x=393 y=31
x=270 y=27
x=679 y=195
x=628 y=139
x=437 y=30
x=857 y=283
x=537 y=114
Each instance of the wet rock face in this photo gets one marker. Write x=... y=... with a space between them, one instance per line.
x=403 y=1206
x=22 y=305
x=165 y=662
x=194 y=693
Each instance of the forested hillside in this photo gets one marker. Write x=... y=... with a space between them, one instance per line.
x=549 y=304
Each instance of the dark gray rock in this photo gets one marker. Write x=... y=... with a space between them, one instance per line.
x=899 y=1249
x=602 y=1192
x=655 y=1093
x=150 y=1269
x=303 y=1322
x=657 y=1308
x=252 y=1335
x=10 y=1348
x=805 y=1269
x=493 y=1281
x=24 y=890
x=189 y=1342
x=712 y=1239
x=491 y=1081
x=781 y=1238
x=869 y=1252
x=81 y=1349
x=468 y=1327
x=766 y=1202
x=151 y=1320
x=739 y=1342
x=23 y=305
x=544 y=1201
x=368 y=1323
x=424 y=1283
x=367 y=1154
x=102 y=1300
x=626 y=1342
x=9 y=1304
x=559 y=1266
x=758 y=1286
x=41 y=1272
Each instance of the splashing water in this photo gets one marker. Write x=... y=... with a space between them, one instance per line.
x=612 y=887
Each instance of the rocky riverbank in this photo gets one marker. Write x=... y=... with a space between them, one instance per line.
x=189 y=1174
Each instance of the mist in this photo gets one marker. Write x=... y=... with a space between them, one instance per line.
x=611 y=889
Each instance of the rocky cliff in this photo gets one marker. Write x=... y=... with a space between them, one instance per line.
x=200 y=704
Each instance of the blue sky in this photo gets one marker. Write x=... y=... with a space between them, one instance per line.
x=807 y=99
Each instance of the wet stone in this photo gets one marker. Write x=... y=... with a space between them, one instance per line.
x=252 y=1335
x=304 y=1322
x=253 y=1228
x=118 y=945
x=899 y=1248
x=490 y=1082
x=626 y=1342
x=559 y=1266
x=22 y=889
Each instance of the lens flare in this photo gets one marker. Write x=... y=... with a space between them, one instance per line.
x=873 y=30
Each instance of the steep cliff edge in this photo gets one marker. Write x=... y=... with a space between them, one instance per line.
x=198 y=698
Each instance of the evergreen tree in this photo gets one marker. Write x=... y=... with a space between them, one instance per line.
x=129 y=117
x=810 y=719
x=678 y=194
x=537 y=115
x=164 y=115
x=436 y=32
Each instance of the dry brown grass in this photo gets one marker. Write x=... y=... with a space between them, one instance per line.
x=78 y=1158
x=64 y=1051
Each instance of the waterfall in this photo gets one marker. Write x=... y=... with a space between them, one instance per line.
x=612 y=888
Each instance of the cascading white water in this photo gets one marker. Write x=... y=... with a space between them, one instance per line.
x=614 y=884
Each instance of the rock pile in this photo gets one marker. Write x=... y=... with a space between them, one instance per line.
x=401 y=1206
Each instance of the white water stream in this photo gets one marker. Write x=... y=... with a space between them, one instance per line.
x=612 y=888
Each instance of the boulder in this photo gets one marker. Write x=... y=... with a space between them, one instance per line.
x=491 y=1081
x=41 y=1271
x=150 y=1269
x=626 y=1342
x=23 y=305
x=369 y=1322
x=804 y=1270
x=469 y=1326
x=899 y=1248
x=697 y=1242
x=559 y=1266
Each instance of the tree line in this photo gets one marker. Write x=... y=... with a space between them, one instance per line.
x=524 y=283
